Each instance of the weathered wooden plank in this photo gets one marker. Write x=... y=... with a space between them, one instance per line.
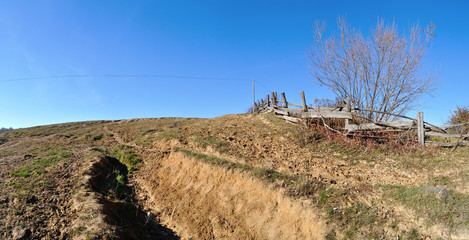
x=401 y=116
x=380 y=125
x=392 y=130
x=296 y=105
x=326 y=114
x=266 y=110
x=292 y=109
x=291 y=119
x=397 y=124
x=288 y=109
x=321 y=109
x=281 y=112
x=446 y=135
x=455 y=125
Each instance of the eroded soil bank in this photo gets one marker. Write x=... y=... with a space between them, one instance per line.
x=210 y=202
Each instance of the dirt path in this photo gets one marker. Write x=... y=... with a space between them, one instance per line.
x=121 y=141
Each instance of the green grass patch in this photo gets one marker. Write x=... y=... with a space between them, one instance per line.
x=440 y=181
x=358 y=221
x=127 y=155
x=37 y=166
x=211 y=159
x=449 y=208
x=22 y=172
x=120 y=184
x=16 y=185
x=219 y=145
x=168 y=128
x=169 y=134
x=100 y=150
x=353 y=219
x=96 y=152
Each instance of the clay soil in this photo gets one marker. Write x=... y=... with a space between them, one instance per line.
x=232 y=177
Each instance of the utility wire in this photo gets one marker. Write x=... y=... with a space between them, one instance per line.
x=262 y=85
x=131 y=76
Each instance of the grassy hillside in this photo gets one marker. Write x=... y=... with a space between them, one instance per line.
x=232 y=177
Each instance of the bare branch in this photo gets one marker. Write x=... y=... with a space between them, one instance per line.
x=380 y=72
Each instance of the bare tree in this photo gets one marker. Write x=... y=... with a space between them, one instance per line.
x=381 y=72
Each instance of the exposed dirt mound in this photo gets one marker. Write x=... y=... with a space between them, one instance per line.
x=207 y=202
x=232 y=177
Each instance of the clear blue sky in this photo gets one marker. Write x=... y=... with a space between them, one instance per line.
x=262 y=40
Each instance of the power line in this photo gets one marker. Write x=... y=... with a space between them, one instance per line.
x=131 y=76
x=122 y=76
x=262 y=85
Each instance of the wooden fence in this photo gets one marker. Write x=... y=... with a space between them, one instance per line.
x=294 y=113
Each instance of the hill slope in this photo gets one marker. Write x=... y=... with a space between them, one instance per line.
x=232 y=177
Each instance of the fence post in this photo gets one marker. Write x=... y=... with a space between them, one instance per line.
x=285 y=103
x=274 y=99
x=348 y=108
x=268 y=100
x=420 y=129
x=303 y=101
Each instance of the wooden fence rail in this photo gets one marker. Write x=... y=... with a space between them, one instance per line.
x=294 y=113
